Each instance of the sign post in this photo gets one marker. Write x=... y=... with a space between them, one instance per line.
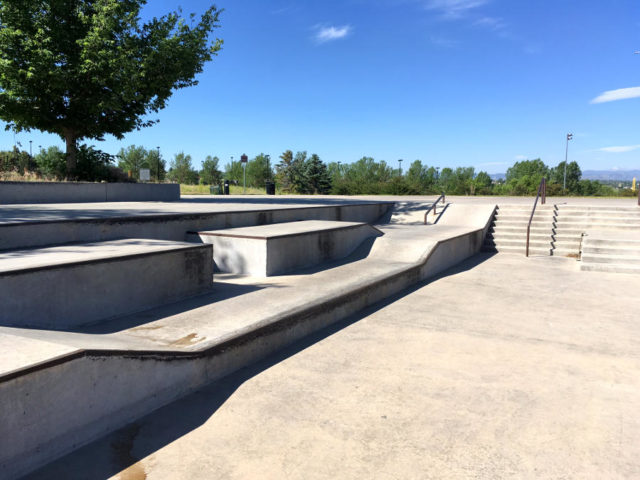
x=244 y=159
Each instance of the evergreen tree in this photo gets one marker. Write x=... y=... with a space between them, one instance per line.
x=317 y=176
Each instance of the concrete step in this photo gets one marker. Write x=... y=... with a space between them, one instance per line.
x=605 y=250
x=519 y=250
x=605 y=222
x=522 y=230
x=596 y=209
x=66 y=286
x=566 y=252
x=273 y=249
x=614 y=243
x=614 y=259
x=610 y=267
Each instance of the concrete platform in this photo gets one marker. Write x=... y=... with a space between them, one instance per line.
x=67 y=286
x=277 y=248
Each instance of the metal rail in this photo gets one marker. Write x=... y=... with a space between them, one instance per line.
x=433 y=207
x=542 y=191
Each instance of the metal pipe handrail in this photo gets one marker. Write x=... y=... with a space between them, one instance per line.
x=433 y=207
x=542 y=189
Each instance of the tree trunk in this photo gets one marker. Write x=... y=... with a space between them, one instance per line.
x=72 y=154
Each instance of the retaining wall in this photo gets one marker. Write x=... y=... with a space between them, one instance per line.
x=78 y=192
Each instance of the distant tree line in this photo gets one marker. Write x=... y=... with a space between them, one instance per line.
x=301 y=173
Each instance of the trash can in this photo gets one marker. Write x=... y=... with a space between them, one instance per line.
x=226 y=187
x=270 y=188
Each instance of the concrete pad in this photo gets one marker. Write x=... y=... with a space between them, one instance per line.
x=273 y=249
x=66 y=286
x=530 y=376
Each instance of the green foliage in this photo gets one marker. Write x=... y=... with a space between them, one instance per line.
x=556 y=175
x=210 y=173
x=181 y=170
x=16 y=160
x=317 y=176
x=420 y=179
x=482 y=184
x=86 y=68
x=133 y=158
x=259 y=171
x=234 y=172
x=94 y=165
x=52 y=163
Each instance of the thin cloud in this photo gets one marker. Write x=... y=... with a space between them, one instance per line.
x=620 y=149
x=620 y=94
x=492 y=23
x=329 y=34
x=520 y=157
x=454 y=8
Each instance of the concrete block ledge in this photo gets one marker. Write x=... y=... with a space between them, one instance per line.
x=81 y=192
x=47 y=418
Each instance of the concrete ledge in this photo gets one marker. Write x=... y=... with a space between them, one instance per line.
x=82 y=284
x=72 y=192
x=46 y=420
x=281 y=247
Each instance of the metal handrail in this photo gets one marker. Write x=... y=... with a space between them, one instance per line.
x=542 y=189
x=433 y=207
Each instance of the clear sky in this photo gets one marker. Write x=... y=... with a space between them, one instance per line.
x=480 y=83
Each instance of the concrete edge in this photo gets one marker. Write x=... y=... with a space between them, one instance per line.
x=275 y=237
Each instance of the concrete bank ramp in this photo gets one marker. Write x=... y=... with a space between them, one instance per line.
x=100 y=379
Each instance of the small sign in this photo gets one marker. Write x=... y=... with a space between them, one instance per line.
x=145 y=175
x=244 y=159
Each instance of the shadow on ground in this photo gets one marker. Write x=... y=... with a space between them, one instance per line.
x=124 y=448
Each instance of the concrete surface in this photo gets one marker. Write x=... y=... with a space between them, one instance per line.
x=277 y=248
x=63 y=192
x=128 y=367
x=531 y=376
x=23 y=226
x=66 y=286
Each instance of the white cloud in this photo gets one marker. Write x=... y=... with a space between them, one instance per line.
x=454 y=8
x=620 y=94
x=620 y=149
x=328 y=34
x=520 y=157
x=492 y=23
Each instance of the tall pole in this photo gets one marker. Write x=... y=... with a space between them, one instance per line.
x=158 y=173
x=400 y=162
x=30 y=153
x=566 y=157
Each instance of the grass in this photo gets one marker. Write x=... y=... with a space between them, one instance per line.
x=204 y=190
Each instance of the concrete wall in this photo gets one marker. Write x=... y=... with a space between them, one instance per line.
x=172 y=227
x=81 y=293
x=54 y=192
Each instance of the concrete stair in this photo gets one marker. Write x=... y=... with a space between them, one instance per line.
x=508 y=232
x=606 y=252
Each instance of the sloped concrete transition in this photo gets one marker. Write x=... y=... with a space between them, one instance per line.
x=70 y=375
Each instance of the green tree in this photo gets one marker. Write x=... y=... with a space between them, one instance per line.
x=156 y=164
x=210 y=173
x=524 y=177
x=420 y=179
x=181 y=170
x=482 y=184
x=259 y=171
x=132 y=159
x=284 y=172
x=574 y=174
x=317 y=176
x=51 y=163
x=233 y=171
x=86 y=68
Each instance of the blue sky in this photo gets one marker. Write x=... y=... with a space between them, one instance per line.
x=480 y=83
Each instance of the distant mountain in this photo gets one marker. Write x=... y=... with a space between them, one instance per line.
x=618 y=175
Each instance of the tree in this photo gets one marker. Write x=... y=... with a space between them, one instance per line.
x=259 y=171
x=181 y=170
x=574 y=174
x=482 y=184
x=234 y=171
x=210 y=173
x=317 y=176
x=86 y=68
x=284 y=171
x=51 y=163
x=132 y=159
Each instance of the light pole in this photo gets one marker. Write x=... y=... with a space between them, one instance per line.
x=158 y=173
x=400 y=162
x=30 y=153
x=566 y=157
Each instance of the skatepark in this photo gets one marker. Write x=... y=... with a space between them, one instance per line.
x=117 y=311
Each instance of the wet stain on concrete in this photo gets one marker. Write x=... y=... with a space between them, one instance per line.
x=190 y=339
x=121 y=449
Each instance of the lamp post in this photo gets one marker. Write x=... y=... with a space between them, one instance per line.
x=158 y=172
x=400 y=162
x=30 y=153
x=566 y=157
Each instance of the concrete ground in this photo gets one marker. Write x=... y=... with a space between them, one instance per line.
x=211 y=203
x=506 y=367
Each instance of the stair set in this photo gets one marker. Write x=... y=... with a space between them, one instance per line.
x=603 y=238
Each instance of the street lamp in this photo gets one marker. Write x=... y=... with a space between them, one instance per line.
x=400 y=162
x=566 y=156
x=30 y=153
x=158 y=173
x=244 y=159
